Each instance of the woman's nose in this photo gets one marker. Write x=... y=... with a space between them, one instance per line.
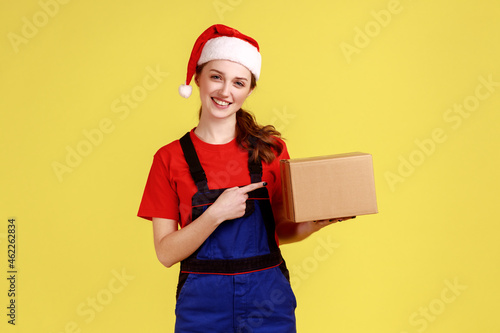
x=224 y=91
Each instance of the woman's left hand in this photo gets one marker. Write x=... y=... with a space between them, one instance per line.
x=289 y=232
x=324 y=223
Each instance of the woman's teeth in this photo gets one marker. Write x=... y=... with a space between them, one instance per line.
x=219 y=102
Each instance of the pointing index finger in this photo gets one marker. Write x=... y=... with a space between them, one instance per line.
x=253 y=186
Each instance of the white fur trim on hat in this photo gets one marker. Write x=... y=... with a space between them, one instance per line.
x=233 y=49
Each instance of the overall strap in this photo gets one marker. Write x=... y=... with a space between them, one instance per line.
x=197 y=172
x=254 y=166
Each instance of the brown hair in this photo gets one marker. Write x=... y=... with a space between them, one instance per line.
x=260 y=140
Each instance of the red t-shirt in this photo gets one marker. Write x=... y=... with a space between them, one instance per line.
x=170 y=187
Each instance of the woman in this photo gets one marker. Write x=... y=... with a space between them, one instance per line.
x=221 y=183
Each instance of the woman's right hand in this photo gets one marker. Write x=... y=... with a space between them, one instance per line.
x=231 y=204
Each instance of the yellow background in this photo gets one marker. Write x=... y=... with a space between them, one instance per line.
x=337 y=76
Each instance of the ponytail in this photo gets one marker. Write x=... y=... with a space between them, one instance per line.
x=260 y=140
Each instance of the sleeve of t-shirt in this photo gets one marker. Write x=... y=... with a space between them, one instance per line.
x=277 y=195
x=159 y=198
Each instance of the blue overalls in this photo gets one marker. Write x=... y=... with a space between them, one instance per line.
x=237 y=281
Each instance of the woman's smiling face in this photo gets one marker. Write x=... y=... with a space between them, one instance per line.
x=224 y=86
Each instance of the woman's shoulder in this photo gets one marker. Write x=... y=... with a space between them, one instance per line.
x=280 y=140
x=170 y=150
x=283 y=154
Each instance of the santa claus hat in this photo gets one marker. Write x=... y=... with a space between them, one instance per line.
x=220 y=42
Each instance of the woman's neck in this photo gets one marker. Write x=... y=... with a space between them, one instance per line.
x=218 y=132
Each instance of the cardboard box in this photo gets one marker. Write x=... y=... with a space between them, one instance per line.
x=328 y=187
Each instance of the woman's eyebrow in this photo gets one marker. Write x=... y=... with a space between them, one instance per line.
x=214 y=70
x=222 y=73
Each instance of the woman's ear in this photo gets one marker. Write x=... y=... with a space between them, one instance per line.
x=197 y=80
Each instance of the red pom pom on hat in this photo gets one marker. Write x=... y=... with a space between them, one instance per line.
x=220 y=42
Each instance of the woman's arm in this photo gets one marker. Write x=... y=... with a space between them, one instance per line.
x=173 y=245
x=290 y=232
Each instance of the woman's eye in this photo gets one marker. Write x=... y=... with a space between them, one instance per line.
x=215 y=77
x=240 y=84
